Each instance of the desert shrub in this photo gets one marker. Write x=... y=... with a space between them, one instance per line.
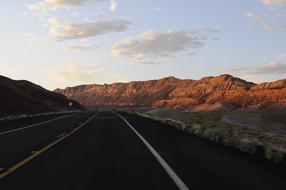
x=277 y=156
x=179 y=125
x=271 y=154
x=207 y=134
x=217 y=135
x=183 y=126
x=246 y=145
x=211 y=134
x=190 y=130
x=197 y=129
x=232 y=141
x=268 y=151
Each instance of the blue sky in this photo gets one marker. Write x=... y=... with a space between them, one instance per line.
x=59 y=43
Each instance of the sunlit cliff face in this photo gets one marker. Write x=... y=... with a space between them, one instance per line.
x=211 y=93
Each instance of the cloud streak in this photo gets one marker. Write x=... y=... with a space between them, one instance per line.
x=151 y=46
x=63 y=30
x=113 y=5
x=274 y=2
x=267 y=26
x=157 y=8
x=253 y=15
x=53 y=5
x=274 y=70
x=78 y=74
x=273 y=67
x=81 y=48
x=272 y=12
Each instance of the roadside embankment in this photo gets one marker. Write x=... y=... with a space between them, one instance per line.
x=13 y=117
x=214 y=127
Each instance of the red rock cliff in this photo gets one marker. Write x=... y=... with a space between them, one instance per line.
x=224 y=92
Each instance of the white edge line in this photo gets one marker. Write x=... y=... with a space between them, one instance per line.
x=30 y=126
x=180 y=184
x=43 y=150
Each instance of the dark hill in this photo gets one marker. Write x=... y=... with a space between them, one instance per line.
x=24 y=97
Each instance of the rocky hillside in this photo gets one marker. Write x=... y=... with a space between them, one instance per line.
x=23 y=97
x=224 y=92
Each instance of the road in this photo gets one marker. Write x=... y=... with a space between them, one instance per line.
x=107 y=150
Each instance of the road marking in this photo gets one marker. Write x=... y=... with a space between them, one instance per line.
x=30 y=126
x=180 y=184
x=38 y=153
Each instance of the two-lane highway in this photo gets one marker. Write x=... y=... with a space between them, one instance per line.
x=19 y=141
x=8 y=126
x=108 y=150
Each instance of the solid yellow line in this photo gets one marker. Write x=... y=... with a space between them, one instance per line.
x=31 y=157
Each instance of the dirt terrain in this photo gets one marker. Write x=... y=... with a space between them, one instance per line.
x=273 y=123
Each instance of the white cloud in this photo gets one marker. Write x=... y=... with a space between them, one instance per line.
x=151 y=46
x=113 y=5
x=81 y=48
x=53 y=5
x=267 y=26
x=271 y=68
x=253 y=15
x=281 y=57
x=270 y=13
x=99 y=14
x=272 y=71
x=63 y=30
x=157 y=8
x=274 y=2
x=78 y=74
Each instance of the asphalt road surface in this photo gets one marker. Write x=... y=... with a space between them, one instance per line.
x=107 y=150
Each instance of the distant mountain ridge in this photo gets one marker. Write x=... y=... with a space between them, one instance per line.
x=223 y=92
x=24 y=97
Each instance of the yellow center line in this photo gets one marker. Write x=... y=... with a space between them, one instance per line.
x=37 y=153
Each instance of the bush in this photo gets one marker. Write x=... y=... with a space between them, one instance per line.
x=268 y=151
x=232 y=141
x=197 y=129
x=207 y=134
x=277 y=156
x=247 y=145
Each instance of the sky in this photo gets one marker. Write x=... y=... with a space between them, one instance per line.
x=60 y=43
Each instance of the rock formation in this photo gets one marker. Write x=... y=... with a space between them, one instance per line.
x=224 y=92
